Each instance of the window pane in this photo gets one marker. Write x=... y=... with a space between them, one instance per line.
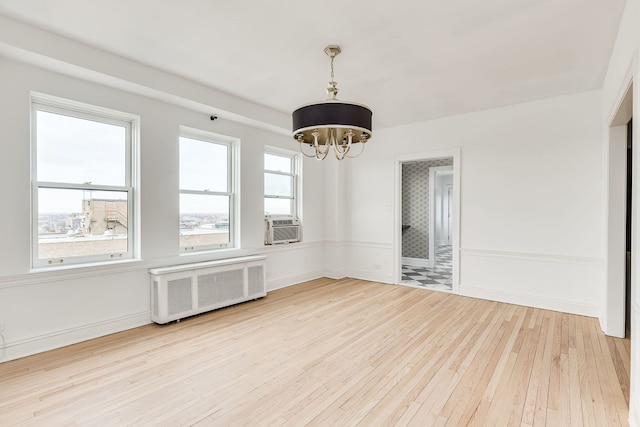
x=204 y=220
x=74 y=223
x=77 y=151
x=277 y=163
x=203 y=165
x=278 y=206
x=278 y=185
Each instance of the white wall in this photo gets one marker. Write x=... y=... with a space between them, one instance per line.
x=41 y=309
x=531 y=200
x=623 y=68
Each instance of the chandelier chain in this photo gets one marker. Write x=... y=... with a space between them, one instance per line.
x=332 y=68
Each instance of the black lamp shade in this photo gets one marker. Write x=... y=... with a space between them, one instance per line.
x=332 y=114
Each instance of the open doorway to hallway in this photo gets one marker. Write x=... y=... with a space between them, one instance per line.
x=620 y=213
x=427 y=223
x=402 y=225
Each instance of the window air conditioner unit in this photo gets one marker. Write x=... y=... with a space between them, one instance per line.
x=283 y=229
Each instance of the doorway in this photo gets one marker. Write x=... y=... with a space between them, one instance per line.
x=620 y=211
x=426 y=240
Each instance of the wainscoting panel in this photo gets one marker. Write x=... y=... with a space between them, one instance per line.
x=370 y=261
x=562 y=283
x=60 y=338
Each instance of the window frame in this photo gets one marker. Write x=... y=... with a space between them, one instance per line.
x=232 y=192
x=78 y=110
x=296 y=168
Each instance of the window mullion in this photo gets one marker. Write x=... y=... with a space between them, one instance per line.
x=273 y=196
x=70 y=186
x=206 y=193
x=279 y=173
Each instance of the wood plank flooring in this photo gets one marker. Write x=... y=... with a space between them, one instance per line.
x=328 y=352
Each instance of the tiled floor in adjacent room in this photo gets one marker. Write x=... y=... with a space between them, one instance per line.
x=438 y=278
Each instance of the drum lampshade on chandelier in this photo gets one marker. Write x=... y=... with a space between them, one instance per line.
x=332 y=124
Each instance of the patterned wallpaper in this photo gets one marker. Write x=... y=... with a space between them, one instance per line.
x=415 y=206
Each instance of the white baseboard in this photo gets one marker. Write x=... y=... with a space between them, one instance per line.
x=287 y=281
x=415 y=262
x=27 y=347
x=335 y=274
x=369 y=275
x=634 y=410
x=530 y=301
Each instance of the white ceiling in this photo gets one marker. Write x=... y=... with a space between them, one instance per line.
x=409 y=60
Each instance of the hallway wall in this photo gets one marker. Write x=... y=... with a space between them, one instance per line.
x=415 y=207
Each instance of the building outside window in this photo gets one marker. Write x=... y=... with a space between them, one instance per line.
x=82 y=183
x=281 y=169
x=207 y=185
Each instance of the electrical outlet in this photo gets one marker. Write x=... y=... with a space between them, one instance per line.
x=377 y=266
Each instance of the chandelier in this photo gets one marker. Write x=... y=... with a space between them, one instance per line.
x=332 y=124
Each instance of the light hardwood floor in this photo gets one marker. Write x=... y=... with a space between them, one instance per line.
x=328 y=352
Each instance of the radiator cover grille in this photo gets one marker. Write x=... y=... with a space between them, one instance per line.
x=179 y=295
x=182 y=291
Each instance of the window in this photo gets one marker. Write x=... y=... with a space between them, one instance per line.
x=82 y=183
x=280 y=183
x=206 y=191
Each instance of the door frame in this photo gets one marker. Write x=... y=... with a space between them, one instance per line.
x=612 y=320
x=397 y=221
x=433 y=173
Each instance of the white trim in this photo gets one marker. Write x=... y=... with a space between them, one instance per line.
x=294 y=246
x=612 y=320
x=335 y=273
x=336 y=243
x=621 y=97
x=380 y=245
x=71 y=272
x=81 y=110
x=529 y=256
x=296 y=176
x=284 y=282
x=233 y=184
x=87 y=112
x=612 y=316
x=530 y=301
x=416 y=262
x=634 y=410
x=368 y=275
x=26 y=347
x=454 y=153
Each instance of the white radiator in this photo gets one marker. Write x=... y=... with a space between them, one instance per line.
x=184 y=290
